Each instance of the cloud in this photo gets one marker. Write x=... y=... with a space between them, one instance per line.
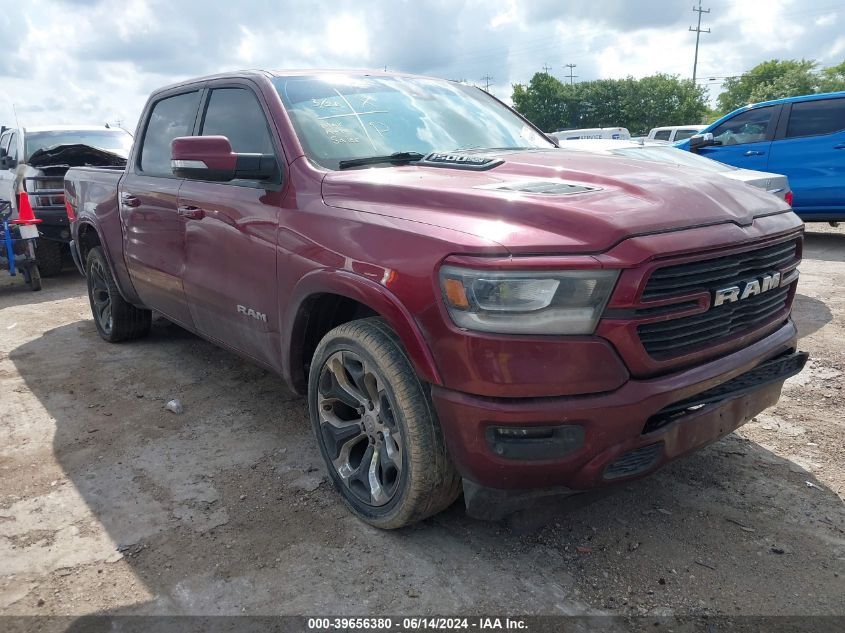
x=91 y=61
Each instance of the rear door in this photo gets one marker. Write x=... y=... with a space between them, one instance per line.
x=810 y=150
x=744 y=139
x=154 y=231
x=230 y=272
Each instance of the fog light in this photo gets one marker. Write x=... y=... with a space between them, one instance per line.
x=534 y=443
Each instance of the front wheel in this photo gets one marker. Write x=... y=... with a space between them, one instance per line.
x=376 y=427
x=115 y=318
x=34 y=278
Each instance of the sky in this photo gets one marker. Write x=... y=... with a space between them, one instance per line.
x=93 y=61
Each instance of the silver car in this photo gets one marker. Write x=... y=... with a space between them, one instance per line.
x=662 y=152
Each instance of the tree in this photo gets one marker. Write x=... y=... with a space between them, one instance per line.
x=541 y=102
x=773 y=79
x=833 y=78
x=638 y=104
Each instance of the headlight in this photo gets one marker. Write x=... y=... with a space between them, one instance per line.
x=526 y=302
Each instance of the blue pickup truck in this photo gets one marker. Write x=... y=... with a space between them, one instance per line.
x=800 y=137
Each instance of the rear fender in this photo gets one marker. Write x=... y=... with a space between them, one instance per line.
x=120 y=276
x=364 y=291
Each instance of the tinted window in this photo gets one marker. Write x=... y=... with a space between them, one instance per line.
x=171 y=117
x=810 y=118
x=747 y=127
x=236 y=114
x=682 y=135
x=662 y=135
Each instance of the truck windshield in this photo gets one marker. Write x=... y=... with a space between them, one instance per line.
x=117 y=141
x=342 y=117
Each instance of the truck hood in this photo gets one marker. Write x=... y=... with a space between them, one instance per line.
x=76 y=155
x=549 y=201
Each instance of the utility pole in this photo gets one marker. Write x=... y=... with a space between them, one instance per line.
x=571 y=67
x=486 y=79
x=698 y=31
x=546 y=68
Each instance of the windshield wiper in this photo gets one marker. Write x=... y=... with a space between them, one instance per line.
x=396 y=158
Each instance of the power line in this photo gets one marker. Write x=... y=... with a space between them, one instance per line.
x=487 y=79
x=571 y=67
x=698 y=31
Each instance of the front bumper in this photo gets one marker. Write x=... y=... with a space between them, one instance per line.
x=614 y=423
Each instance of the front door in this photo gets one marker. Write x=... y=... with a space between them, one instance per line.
x=744 y=140
x=8 y=143
x=230 y=270
x=148 y=197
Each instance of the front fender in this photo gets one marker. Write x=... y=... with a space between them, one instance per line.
x=369 y=293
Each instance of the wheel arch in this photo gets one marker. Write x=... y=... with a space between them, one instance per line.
x=88 y=235
x=325 y=299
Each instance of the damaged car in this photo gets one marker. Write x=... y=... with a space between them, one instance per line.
x=33 y=162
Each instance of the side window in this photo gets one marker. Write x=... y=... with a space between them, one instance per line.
x=662 y=135
x=747 y=127
x=812 y=118
x=682 y=135
x=171 y=117
x=13 y=146
x=4 y=141
x=236 y=114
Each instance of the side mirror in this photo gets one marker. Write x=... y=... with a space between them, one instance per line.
x=212 y=158
x=701 y=140
x=7 y=162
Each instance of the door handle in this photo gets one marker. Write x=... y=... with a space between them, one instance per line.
x=840 y=146
x=128 y=200
x=753 y=152
x=190 y=212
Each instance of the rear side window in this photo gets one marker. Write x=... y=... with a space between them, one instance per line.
x=748 y=127
x=170 y=118
x=682 y=135
x=662 y=135
x=236 y=114
x=812 y=118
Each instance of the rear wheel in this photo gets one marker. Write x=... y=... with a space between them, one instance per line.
x=377 y=430
x=49 y=256
x=116 y=319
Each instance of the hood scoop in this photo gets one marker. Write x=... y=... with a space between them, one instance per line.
x=544 y=187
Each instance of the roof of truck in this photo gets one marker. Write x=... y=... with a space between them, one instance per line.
x=292 y=72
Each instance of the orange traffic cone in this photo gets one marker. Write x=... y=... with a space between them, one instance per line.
x=25 y=214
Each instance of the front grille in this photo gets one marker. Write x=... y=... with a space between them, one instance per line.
x=634 y=462
x=675 y=337
x=719 y=271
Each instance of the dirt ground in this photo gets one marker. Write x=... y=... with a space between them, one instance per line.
x=111 y=504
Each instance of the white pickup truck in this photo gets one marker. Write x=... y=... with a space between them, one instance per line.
x=672 y=133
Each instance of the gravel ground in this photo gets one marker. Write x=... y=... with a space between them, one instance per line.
x=111 y=504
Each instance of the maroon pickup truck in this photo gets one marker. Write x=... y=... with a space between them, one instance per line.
x=465 y=305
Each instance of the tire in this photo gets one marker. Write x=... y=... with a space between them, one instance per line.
x=34 y=278
x=49 y=256
x=392 y=431
x=115 y=319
